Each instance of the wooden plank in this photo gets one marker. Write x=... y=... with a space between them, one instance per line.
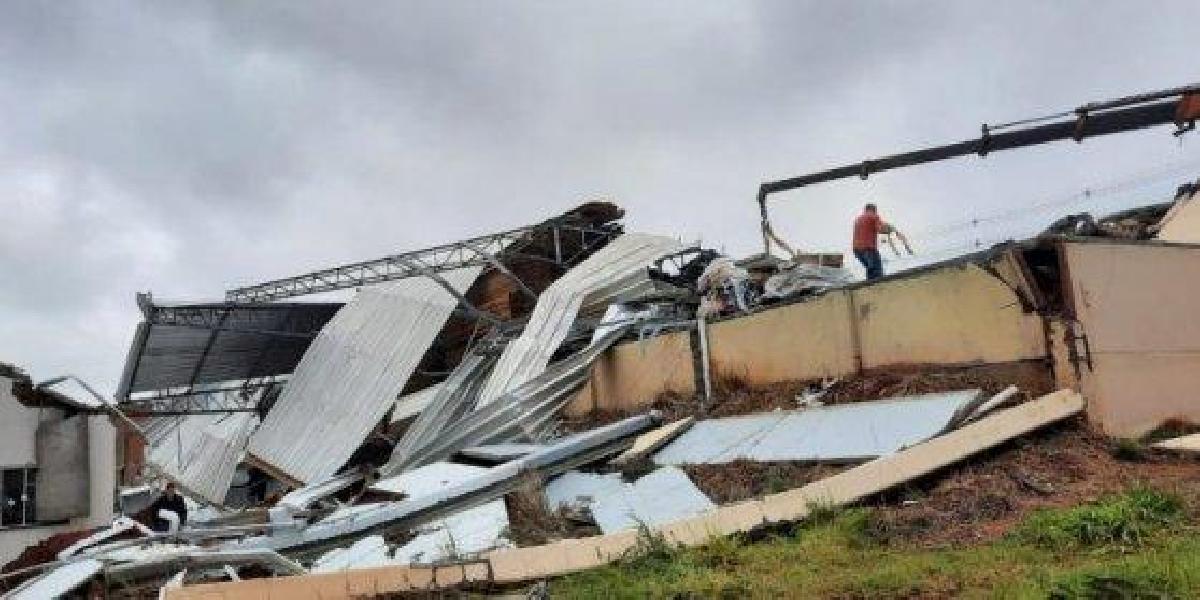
x=273 y=471
x=650 y=442
x=1187 y=443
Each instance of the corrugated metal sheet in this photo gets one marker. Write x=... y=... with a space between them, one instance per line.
x=490 y=484
x=614 y=272
x=411 y=405
x=352 y=374
x=464 y=533
x=663 y=496
x=201 y=452
x=246 y=341
x=855 y=431
x=522 y=414
x=59 y=582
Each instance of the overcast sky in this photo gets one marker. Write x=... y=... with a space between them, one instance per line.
x=188 y=147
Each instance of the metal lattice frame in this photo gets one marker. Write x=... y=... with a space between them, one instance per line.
x=473 y=252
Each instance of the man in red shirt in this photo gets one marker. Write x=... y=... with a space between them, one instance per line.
x=867 y=229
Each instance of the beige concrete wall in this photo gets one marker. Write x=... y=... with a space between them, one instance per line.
x=808 y=340
x=1138 y=305
x=958 y=314
x=633 y=374
x=1182 y=223
x=953 y=315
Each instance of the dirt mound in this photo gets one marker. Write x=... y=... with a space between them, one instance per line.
x=982 y=499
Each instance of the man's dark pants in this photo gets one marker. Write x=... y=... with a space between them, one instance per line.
x=871 y=261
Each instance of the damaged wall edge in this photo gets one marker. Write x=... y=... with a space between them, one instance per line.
x=954 y=313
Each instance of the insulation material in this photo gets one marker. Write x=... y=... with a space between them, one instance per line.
x=844 y=432
x=201 y=453
x=352 y=373
x=615 y=272
x=663 y=496
x=464 y=533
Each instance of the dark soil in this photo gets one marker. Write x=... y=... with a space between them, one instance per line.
x=984 y=498
x=743 y=479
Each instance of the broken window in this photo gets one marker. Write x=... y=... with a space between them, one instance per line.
x=19 y=493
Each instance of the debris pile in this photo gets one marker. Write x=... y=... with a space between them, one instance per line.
x=423 y=425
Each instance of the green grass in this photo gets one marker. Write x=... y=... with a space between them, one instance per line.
x=1121 y=520
x=1134 y=545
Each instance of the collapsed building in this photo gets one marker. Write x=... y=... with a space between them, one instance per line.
x=392 y=442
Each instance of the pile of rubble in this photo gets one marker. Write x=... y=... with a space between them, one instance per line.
x=417 y=429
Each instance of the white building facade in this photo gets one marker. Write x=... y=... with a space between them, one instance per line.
x=57 y=472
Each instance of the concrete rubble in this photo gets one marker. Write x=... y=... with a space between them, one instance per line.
x=567 y=373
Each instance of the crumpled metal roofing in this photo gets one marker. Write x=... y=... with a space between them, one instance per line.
x=617 y=271
x=846 y=432
x=492 y=483
x=663 y=496
x=201 y=452
x=525 y=413
x=352 y=373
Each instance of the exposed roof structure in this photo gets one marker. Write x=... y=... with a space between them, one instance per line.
x=201 y=452
x=618 y=270
x=352 y=374
x=179 y=349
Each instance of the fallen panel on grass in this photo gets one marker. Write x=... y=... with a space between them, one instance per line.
x=665 y=495
x=517 y=565
x=352 y=373
x=843 y=432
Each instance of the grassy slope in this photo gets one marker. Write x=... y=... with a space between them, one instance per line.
x=1138 y=544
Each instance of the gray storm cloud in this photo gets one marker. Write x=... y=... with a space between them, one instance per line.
x=185 y=148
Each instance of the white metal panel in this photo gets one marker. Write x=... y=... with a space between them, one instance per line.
x=616 y=271
x=855 y=431
x=202 y=452
x=352 y=373
x=664 y=496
